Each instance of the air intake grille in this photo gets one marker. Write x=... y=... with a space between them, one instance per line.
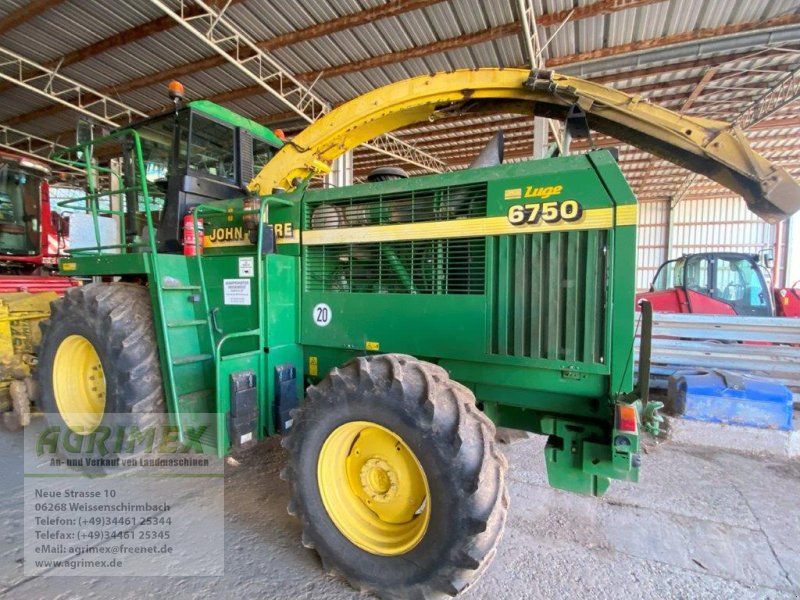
x=413 y=206
x=452 y=266
x=548 y=295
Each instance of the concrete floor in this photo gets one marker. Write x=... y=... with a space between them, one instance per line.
x=703 y=524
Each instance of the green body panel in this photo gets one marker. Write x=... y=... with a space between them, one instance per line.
x=544 y=343
x=517 y=279
x=457 y=329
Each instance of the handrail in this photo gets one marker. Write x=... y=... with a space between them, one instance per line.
x=202 y=209
x=93 y=196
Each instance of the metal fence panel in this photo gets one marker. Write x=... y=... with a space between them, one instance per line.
x=768 y=347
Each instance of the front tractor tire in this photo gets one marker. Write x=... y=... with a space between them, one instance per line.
x=396 y=479
x=99 y=356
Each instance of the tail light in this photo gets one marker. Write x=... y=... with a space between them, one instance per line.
x=627 y=420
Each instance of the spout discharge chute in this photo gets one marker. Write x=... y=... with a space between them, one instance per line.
x=712 y=148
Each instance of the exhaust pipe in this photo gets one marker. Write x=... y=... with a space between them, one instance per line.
x=492 y=153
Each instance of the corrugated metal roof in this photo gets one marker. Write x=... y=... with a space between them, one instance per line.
x=589 y=47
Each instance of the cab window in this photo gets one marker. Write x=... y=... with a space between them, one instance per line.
x=156 y=140
x=211 y=149
x=669 y=275
x=739 y=283
x=696 y=275
x=19 y=208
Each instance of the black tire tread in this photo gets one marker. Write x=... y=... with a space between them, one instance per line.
x=446 y=409
x=122 y=313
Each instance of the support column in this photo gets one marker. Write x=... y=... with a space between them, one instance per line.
x=540 y=128
x=341 y=174
x=792 y=272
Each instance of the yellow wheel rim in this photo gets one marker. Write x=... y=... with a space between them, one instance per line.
x=79 y=384
x=374 y=488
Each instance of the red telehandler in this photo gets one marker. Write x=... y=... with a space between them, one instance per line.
x=720 y=283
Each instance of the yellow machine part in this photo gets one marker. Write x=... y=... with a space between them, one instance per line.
x=712 y=148
x=20 y=314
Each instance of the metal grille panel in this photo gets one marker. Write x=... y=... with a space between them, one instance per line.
x=453 y=266
x=548 y=294
x=414 y=206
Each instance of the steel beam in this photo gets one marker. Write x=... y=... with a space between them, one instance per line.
x=128 y=36
x=678 y=38
x=219 y=33
x=32 y=146
x=25 y=13
x=530 y=35
x=391 y=8
x=49 y=83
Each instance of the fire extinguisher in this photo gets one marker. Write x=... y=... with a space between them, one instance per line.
x=188 y=234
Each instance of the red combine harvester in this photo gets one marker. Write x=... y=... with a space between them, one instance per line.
x=30 y=239
x=720 y=283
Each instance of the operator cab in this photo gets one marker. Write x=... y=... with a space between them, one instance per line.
x=731 y=278
x=201 y=152
x=23 y=192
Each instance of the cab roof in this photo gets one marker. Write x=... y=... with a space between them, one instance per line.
x=223 y=114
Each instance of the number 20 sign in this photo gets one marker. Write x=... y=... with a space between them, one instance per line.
x=322 y=315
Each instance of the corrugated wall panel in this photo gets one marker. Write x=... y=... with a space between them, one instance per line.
x=651 y=241
x=717 y=225
x=709 y=225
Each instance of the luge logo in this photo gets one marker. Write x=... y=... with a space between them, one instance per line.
x=542 y=192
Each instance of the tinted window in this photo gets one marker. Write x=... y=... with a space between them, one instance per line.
x=19 y=211
x=211 y=151
x=696 y=275
x=669 y=275
x=739 y=283
x=156 y=140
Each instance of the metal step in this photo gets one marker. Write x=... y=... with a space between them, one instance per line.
x=195 y=402
x=189 y=323
x=195 y=396
x=239 y=355
x=179 y=288
x=193 y=358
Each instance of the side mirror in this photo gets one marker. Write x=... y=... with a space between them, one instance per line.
x=84 y=134
x=767 y=258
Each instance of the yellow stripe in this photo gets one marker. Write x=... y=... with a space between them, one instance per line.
x=627 y=215
x=595 y=218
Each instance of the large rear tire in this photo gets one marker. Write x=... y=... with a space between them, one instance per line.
x=99 y=356
x=396 y=478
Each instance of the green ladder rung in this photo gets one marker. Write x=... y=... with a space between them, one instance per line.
x=209 y=438
x=190 y=323
x=192 y=358
x=239 y=355
x=194 y=396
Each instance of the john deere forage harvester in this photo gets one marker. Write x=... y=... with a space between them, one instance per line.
x=383 y=329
